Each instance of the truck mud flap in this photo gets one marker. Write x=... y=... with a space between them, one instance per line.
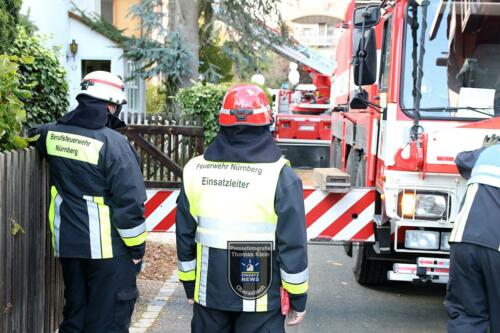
x=330 y=217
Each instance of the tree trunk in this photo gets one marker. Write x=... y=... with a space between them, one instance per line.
x=172 y=15
x=189 y=15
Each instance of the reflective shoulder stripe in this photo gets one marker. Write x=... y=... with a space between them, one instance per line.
x=73 y=146
x=294 y=278
x=186 y=266
x=295 y=289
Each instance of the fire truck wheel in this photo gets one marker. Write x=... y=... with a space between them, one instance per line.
x=336 y=154
x=352 y=164
x=369 y=272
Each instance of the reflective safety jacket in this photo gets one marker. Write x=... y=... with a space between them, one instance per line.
x=478 y=221
x=226 y=202
x=97 y=192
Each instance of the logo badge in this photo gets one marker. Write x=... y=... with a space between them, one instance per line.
x=250 y=268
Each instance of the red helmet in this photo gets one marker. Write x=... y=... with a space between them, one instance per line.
x=245 y=104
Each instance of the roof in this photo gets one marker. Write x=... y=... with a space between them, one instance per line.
x=110 y=32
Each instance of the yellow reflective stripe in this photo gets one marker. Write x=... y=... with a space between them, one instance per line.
x=187 y=276
x=73 y=146
x=105 y=225
x=52 y=215
x=296 y=289
x=137 y=240
x=261 y=304
x=198 y=273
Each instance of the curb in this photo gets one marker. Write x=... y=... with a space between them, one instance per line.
x=154 y=307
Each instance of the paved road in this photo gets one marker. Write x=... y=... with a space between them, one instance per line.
x=338 y=304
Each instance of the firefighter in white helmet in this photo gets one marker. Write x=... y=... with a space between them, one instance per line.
x=241 y=233
x=96 y=210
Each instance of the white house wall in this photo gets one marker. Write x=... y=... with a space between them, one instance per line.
x=51 y=18
x=91 y=46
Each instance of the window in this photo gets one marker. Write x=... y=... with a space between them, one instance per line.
x=107 y=10
x=132 y=86
x=385 y=60
x=95 y=65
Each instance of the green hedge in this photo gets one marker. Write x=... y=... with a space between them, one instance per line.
x=44 y=77
x=12 y=114
x=9 y=17
x=205 y=102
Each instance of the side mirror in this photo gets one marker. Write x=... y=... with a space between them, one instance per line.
x=370 y=15
x=365 y=61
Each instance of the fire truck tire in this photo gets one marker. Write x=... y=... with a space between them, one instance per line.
x=336 y=154
x=369 y=272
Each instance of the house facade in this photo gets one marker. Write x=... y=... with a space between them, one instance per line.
x=82 y=49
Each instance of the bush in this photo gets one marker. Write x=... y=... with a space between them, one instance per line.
x=12 y=114
x=205 y=102
x=44 y=77
x=9 y=17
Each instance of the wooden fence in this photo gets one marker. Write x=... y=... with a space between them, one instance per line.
x=31 y=286
x=164 y=150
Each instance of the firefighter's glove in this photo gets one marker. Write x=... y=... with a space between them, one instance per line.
x=491 y=140
x=295 y=318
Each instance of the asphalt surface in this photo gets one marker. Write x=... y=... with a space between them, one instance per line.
x=338 y=304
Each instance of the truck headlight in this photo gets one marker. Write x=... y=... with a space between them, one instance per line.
x=445 y=238
x=423 y=205
x=422 y=239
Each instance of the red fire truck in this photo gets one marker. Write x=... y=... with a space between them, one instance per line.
x=417 y=82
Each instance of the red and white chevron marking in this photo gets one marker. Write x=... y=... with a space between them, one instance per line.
x=328 y=215
x=159 y=210
x=340 y=216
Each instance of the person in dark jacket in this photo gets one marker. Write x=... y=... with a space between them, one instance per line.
x=96 y=212
x=473 y=294
x=240 y=226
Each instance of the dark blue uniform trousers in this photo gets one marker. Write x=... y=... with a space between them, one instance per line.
x=99 y=294
x=207 y=320
x=473 y=294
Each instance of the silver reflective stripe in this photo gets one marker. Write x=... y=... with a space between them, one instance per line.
x=294 y=278
x=132 y=232
x=235 y=226
x=486 y=169
x=485 y=179
x=94 y=228
x=57 y=223
x=202 y=295
x=186 y=266
x=462 y=217
x=219 y=239
x=248 y=305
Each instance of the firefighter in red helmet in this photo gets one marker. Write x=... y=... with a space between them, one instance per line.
x=241 y=233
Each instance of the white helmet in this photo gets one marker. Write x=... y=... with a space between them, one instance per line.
x=104 y=86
